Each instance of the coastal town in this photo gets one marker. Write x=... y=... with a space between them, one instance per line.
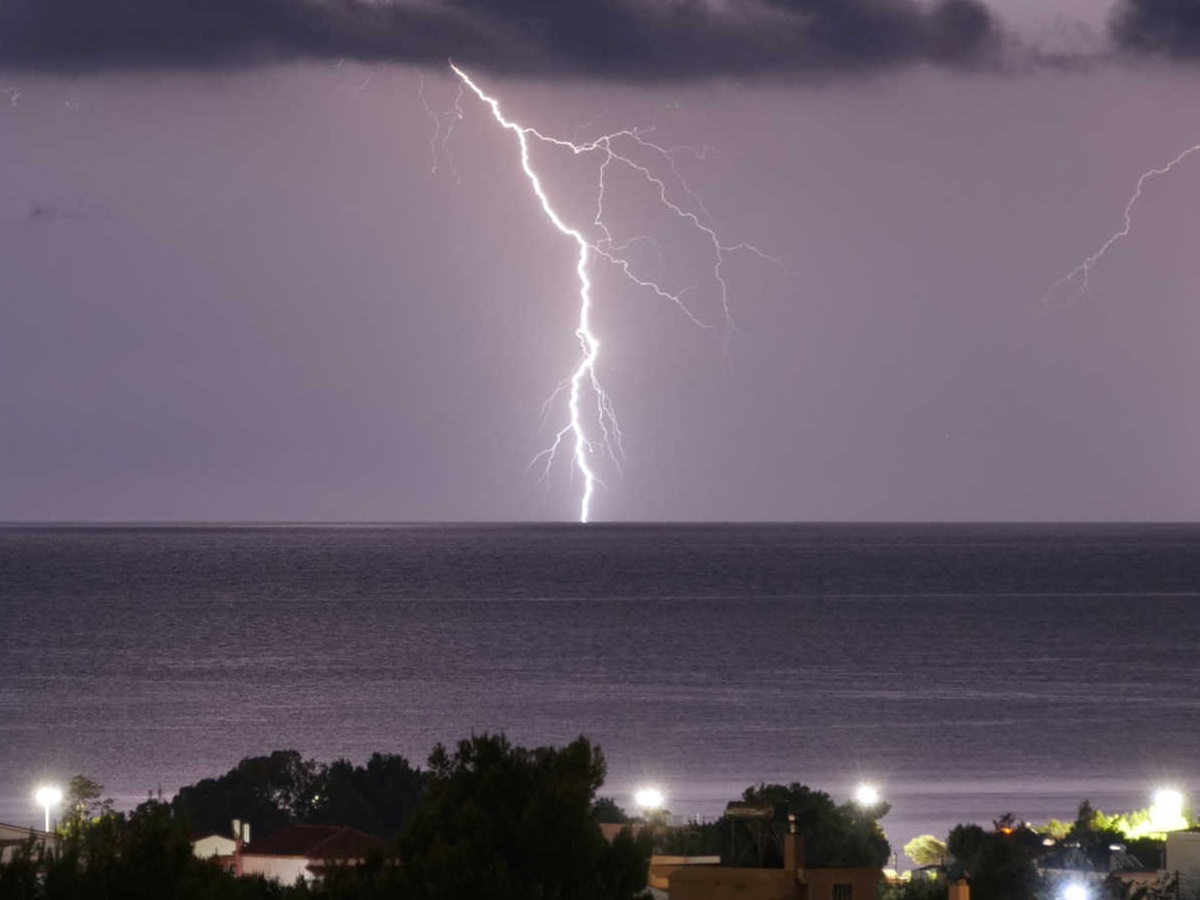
x=491 y=819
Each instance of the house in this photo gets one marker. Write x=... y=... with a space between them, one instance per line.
x=1120 y=870
x=14 y=837
x=662 y=867
x=1183 y=859
x=303 y=851
x=794 y=881
x=213 y=846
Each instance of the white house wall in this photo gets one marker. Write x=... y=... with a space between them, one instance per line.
x=284 y=869
x=213 y=845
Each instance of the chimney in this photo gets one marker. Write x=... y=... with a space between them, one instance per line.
x=238 y=830
x=793 y=847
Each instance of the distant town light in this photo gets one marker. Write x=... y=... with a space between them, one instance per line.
x=866 y=795
x=47 y=796
x=649 y=799
x=1075 y=891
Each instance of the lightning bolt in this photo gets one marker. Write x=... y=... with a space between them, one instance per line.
x=1081 y=275
x=583 y=387
x=439 y=143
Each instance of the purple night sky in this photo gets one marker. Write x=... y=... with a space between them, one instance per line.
x=234 y=289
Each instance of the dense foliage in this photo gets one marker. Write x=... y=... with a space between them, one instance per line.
x=508 y=823
x=845 y=835
x=606 y=811
x=998 y=865
x=926 y=850
x=284 y=788
x=493 y=821
x=146 y=855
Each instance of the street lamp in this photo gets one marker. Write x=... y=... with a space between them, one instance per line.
x=1075 y=891
x=1166 y=812
x=48 y=796
x=866 y=795
x=649 y=800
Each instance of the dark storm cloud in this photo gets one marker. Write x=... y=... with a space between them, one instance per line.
x=1168 y=27
x=617 y=39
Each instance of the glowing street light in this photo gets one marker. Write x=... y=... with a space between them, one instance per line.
x=649 y=800
x=1166 y=811
x=47 y=796
x=866 y=795
x=1075 y=891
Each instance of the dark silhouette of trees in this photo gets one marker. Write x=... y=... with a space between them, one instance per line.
x=495 y=821
x=283 y=788
x=267 y=791
x=376 y=798
x=146 y=855
x=509 y=823
x=999 y=866
x=845 y=835
x=606 y=811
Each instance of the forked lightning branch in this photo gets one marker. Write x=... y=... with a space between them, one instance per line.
x=590 y=428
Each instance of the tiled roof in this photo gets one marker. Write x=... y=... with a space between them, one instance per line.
x=315 y=842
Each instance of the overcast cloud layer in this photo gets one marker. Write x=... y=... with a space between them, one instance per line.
x=615 y=39
x=621 y=39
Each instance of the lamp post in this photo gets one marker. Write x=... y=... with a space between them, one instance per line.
x=866 y=796
x=48 y=796
x=649 y=800
x=1166 y=810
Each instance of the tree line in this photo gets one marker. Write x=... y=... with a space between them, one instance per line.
x=483 y=819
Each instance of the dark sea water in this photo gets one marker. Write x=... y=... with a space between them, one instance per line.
x=966 y=670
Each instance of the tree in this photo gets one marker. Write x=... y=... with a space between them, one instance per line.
x=283 y=788
x=846 y=835
x=997 y=865
x=376 y=798
x=606 y=811
x=267 y=791
x=146 y=855
x=509 y=823
x=1054 y=828
x=1095 y=833
x=82 y=803
x=926 y=850
x=1087 y=818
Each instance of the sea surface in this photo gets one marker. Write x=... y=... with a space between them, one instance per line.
x=966 y=670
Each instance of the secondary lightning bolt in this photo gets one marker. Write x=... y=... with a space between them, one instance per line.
x=583 y=386
x=1081 y=274
x=439 y=144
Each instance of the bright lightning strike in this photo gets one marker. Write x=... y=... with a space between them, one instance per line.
x=1079 y=278
x=583 y=387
